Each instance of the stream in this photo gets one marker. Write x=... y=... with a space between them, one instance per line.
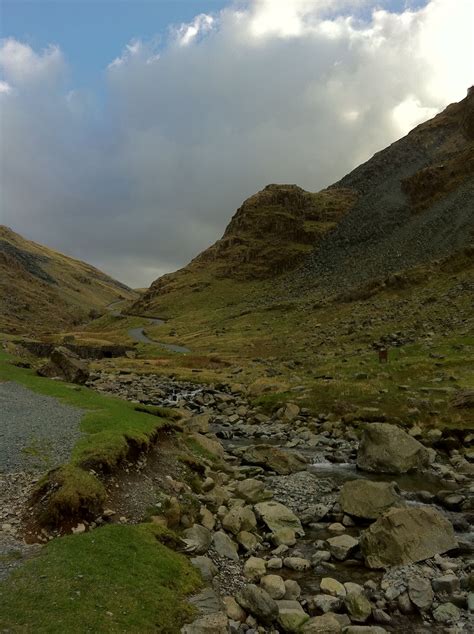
x=330 y=451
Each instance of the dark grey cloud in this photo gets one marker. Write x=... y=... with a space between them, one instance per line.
x=273 y=92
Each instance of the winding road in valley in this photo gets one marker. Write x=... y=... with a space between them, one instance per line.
x=138 y=334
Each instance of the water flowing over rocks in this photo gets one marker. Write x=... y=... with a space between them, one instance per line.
x=294 y=537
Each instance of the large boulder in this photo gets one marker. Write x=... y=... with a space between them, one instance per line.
x=274 y=459
x=239 y=518
x=65 y=365
x=258 y=603
x=386 y=448
x=197 y=539
x=225 y=546
x=277 y=516
x=366 y=499
x=406 y=535
x=252 y=491
x=209 y=443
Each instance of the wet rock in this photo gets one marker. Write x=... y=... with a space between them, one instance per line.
x=297 y=563
x=197 y=539
x=366 y=499
x=206 y=601
x=447 y=584
x=332 y=587
x=420 y=592
x=336 y=527
x=275 y=459
x=224 y=546
x=254 y=568
x=239 y=519
x=274 y=585
x=252 y=491
x=326 y=603
x=277 y=516
x=233 y=609
x=356 y=588
x=406 y=535
x=342 y=546
x=358 y=607
x=314 y=513
x=380 y=616
x=248 y=541
x=291 y=616
x=284 y=536
x=319 y=557
x=258 y=603
x=325 y=624
x=275 y=563
x=293 y=590
x=386 y=448
x=404 y=604
x=446 y=613
x=206 y=567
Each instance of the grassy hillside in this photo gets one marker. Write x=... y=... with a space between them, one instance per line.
x=43 y=290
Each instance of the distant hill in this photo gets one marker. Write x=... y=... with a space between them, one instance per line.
x=43 y=290
x=410 y=204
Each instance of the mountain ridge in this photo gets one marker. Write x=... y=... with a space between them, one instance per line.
x=411 y=203
x=43 y=289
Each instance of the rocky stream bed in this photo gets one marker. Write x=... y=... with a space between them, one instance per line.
x=308 y=524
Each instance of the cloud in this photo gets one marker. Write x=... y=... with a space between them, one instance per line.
x=300 y=91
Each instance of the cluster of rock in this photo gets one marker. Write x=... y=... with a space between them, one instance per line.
x=286 y=547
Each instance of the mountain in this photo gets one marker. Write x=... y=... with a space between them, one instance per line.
x=410 y=204
x=43 y=290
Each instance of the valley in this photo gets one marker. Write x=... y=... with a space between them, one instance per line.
x=276 y=438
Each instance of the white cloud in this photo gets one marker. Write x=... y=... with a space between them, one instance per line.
x=21 y=65
x=299 y=91
x=187 y=33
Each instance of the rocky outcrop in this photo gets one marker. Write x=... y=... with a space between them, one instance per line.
x=366 y=499
x=386 y=448
x=274 y=459
x=276 y=516
x=65 y=365
x=404 y=536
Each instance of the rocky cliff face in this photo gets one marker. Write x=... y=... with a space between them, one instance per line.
x=415 y=204
x=411 y=203
x=274 y=230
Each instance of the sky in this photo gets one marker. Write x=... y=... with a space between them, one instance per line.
x=131 y=131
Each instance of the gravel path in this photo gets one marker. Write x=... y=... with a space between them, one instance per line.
x=36 y=432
